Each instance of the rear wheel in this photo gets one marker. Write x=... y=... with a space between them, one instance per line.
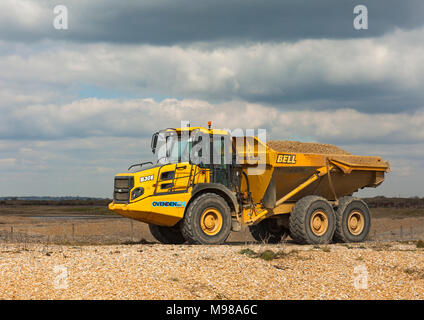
x=207 y=220
x=312 y=221
x=167 y=235
x=353 y=220
x=268 y=231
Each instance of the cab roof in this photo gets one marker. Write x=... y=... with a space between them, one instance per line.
x=202 y=129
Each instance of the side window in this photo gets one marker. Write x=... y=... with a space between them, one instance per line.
x=199 y=149
x=222 y=150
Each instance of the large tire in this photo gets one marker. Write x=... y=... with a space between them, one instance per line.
x=207 y=220
x=167 y=235
x=268 y=231
x=353 y=220
x=312 y=221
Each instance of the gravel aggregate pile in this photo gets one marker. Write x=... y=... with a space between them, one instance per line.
x=152 y=271
x=305 y=147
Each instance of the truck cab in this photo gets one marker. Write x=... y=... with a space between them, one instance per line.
x=190 y=162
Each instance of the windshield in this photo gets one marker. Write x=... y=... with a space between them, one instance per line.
x=174 y=148
x=179 y=149
x=193 y=147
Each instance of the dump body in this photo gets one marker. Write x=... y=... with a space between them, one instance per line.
x=348 y=174
x=337 y=174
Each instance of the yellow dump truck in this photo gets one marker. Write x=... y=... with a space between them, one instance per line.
x=207 y=183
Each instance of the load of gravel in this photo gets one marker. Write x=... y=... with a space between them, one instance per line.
x=304 y=147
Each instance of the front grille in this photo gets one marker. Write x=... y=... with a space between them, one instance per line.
x=121 y=197
x=122 y=182
x=122 y=187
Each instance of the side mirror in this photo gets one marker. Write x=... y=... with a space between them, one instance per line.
x=154 y=142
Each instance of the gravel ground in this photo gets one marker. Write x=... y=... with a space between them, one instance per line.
x=151 y=271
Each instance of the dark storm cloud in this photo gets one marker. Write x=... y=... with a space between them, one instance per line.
x=167 y=22
x=365 y=98
x=384 y=74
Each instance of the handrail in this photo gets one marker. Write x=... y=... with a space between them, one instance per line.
x=139 y=164
x=171 y=190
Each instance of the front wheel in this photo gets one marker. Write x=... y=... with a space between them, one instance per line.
x=167 y=235
x=207 y=220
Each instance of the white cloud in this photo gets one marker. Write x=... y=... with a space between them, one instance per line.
x=92 y=140
x=308 y=69
x=141 y=117
x=24 y=14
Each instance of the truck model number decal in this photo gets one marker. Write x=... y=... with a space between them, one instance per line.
x=286 y=158
x=146 y=178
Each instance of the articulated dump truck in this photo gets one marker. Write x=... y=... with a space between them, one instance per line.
x=207 y=183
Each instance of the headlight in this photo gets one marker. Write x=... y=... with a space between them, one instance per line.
x=137 y=192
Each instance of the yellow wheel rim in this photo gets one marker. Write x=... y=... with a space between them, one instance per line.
x=319 y=223
x=211 y=221
x=355 y=222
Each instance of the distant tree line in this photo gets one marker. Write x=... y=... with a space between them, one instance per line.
x=383 y=202
x=69 y=202
x=376 y=202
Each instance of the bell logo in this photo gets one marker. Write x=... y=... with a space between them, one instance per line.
x=286 y=158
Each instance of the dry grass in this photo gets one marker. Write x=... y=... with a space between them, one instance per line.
x=268 y=254
x=420 y=244
x=414 y=272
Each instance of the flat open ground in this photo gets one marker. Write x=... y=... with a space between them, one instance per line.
x=97 y=225
x=152 y=271
x=86 y=252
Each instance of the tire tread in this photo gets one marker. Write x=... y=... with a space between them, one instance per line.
x=187 y=225
x=339 y=235
x=297 y=221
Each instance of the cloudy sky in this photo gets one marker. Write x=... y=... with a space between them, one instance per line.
x=79 y=105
